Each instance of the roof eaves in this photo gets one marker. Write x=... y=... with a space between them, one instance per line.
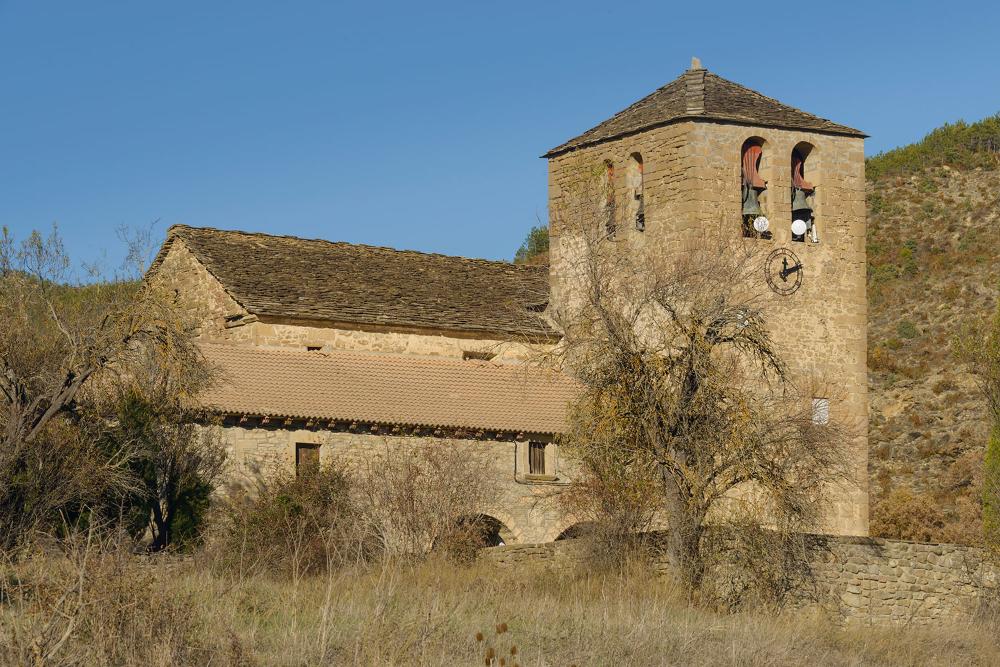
x=717 y=118
x=694 y=83
x=223 y=412
x=838 y=129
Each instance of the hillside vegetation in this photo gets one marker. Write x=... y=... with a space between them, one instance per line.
x=956 y=145
x=933 y=268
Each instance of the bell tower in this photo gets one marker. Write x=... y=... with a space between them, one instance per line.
x=714 y=153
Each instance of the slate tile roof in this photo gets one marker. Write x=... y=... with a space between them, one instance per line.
x=699 y=94
x=313 y=279
x=388 y=389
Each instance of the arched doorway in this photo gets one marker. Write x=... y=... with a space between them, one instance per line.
x=579 y=529
x=487 y=530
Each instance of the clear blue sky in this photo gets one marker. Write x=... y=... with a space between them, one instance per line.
x=416 y=124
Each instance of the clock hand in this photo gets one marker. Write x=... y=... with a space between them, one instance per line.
x=785 y=271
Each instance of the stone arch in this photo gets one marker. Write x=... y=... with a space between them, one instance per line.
x=554 y=529
x=506 y=528
x=574 y=530
x=489 y=530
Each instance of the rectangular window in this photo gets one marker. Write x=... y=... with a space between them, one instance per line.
x=536 y=458
x=477 y=355
x=821 y=411
x=314 y=348
x=306 y=459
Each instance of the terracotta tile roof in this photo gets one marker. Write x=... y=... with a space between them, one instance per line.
x=388 y=389
x=285 y=276
x=699 y=94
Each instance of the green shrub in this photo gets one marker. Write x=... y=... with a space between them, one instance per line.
x=289 y=526
x=907 y=329
x=536 y=244
x=926 y=184
x=908 y=262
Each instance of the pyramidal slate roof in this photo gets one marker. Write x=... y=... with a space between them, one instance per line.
x=313 y=279
x=698 y=94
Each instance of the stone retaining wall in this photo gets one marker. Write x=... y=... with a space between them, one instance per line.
x=901 y=582
x=856 y=579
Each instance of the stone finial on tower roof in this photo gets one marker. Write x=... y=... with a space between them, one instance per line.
x=694 y=89
x=696 y=63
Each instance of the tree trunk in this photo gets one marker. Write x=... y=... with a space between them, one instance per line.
x=684 y=533
x=161 y=528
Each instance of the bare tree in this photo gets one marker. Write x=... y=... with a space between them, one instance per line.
x=419 y=499
x=683 y=385
x=64 y=343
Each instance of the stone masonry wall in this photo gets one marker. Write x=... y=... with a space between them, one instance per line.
x=201 y=295
x=691 y=188
x=530 y=510
x=270 y=332
x=856 y=579
x=223 y=320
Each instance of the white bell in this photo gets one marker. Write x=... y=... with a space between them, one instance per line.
x=798 y=227
x=760 y=223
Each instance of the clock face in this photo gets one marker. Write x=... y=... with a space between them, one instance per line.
x=783 y=271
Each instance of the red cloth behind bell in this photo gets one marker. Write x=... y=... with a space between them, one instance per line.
x=798 y=181
x=751 y=160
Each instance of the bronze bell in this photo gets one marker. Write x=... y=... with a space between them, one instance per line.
x=800 y=200
x=751 y=206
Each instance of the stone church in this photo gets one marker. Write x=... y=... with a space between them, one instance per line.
x=331 y=351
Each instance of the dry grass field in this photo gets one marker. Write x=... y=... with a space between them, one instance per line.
x=120 y=609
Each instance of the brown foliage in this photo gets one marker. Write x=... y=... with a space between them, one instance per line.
x=404 y=503
x=427 y=498
x=290 y=526
x=906 y=515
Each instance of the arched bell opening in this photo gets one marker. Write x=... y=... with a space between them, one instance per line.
x=755 y=223
x=803 y=192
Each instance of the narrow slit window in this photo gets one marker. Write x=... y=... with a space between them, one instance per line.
x=313 y=348
x=608 y=185
x=536 y=458
x=477 y=355
x=635 y=186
